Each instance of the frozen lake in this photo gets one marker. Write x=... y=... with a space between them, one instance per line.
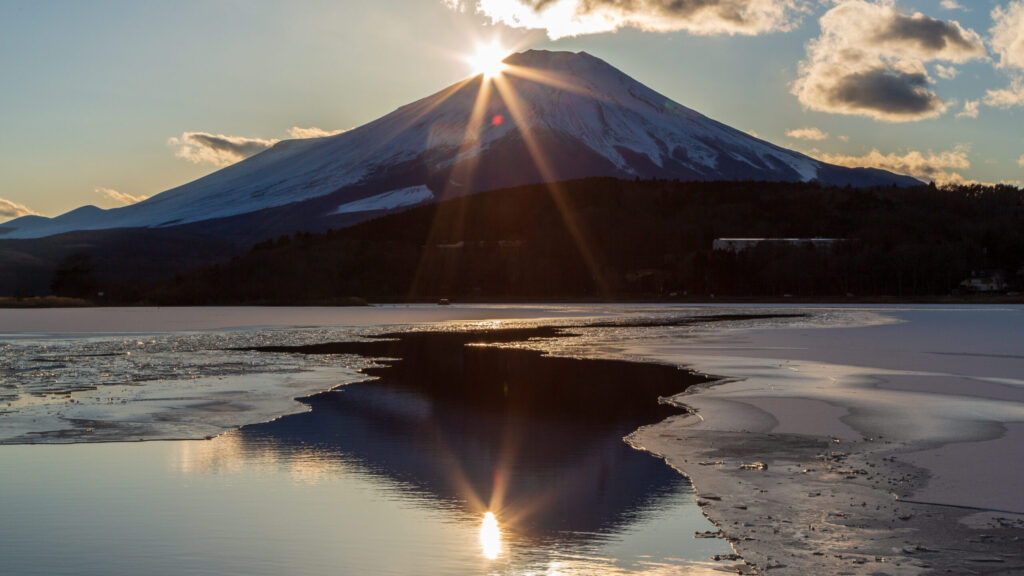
x=376 y=477
x=398 y=475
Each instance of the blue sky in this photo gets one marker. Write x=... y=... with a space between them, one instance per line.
x=98 y=96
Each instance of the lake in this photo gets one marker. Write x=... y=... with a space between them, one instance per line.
x=455 y=459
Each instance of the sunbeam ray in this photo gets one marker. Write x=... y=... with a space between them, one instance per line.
x=552 y=80
x=462 y=173
x=434 y=101
x=549 y=178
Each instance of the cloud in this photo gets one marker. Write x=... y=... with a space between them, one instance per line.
x=10 y=210
x=1020 y=161
x=952 y=5
x=1008 y=35
x=1008 y=97
x=1008 y=43
x=561 y=18
x=970 y=109
x=119 y=197
x=217 y=149
x=311 y=132
x=809 y=133
x=946 y=72
x=870 y=60
x=927 y=166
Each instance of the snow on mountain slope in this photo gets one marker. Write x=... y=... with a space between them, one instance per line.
x=609 y=111
x=574 y=99
x=388 y=200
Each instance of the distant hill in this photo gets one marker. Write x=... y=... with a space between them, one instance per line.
x=608 y=238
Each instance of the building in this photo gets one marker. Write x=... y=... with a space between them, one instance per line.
x=737 y=245
x=985 y=281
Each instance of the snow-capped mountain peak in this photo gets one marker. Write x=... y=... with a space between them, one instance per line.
x=582 y=115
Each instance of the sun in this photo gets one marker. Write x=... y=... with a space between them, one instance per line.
x=488 y=60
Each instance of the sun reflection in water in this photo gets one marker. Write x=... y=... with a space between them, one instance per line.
x=490 y=536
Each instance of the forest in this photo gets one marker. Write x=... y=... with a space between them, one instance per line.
x=608 y=239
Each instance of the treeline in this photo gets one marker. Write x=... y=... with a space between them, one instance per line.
x=607 y=238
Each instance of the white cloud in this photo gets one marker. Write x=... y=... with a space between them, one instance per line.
x=217 y=149
x=1008 y=35
x=870 y=60
x=952 y=5
x=1008 y=43
x=926 y=166
x=946 y=72
x=970 y=109
x=809 y=133
x=311 y=132
x=1008 y=97
x=1020 y=161
x=10 y=210
x=561 y=18
x=119 y=197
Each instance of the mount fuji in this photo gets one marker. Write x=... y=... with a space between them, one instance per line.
x=551 y=116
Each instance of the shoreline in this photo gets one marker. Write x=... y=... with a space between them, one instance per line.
x=979 y=299
x=808 y=465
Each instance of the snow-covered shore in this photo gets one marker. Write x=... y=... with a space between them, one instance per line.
x=891 y=447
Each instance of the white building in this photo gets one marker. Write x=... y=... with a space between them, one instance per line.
x=737 y=245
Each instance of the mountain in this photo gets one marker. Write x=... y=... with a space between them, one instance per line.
x=578 y=114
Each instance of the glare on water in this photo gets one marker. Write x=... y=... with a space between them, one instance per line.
x=490 y=536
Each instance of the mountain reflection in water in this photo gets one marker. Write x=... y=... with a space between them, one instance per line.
x=535 y=440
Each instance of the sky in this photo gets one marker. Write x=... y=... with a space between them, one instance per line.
x=108 y=102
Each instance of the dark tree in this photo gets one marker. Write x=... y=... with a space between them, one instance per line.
x=75 y=277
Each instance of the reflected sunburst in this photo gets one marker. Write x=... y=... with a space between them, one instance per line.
x=490 y=536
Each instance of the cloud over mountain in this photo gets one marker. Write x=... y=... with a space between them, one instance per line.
x=927 y=166
x=10 y=209
x=870 y=60
x=221 y=150
x=119 y=197
x=311 y=132
x=809 y=133
x=561 y=18
x=217 y=149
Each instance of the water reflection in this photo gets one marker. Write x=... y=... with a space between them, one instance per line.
x=490 y=536
x=482 y=433
x=535 y=438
